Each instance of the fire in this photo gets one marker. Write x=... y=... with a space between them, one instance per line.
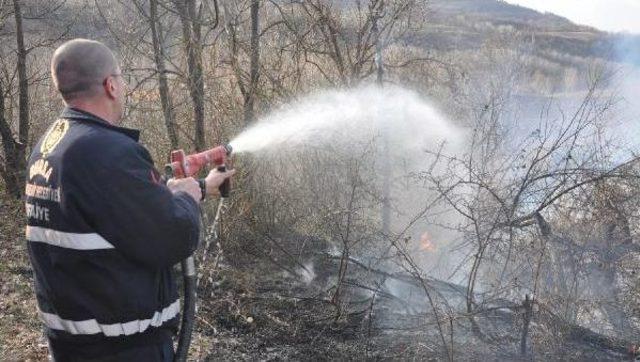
x=426 y=244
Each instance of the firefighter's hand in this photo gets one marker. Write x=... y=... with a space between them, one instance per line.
x=214 y=179
x=188 y=185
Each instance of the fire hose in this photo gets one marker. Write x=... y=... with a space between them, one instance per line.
x=181 y=166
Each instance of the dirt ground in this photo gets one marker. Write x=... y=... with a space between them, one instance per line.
x=21 y=337
x=245 y=312
x=263 y=309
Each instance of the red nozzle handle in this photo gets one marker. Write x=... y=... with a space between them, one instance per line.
x=186 y=166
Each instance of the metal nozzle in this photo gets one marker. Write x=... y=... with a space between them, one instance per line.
x=228 y=148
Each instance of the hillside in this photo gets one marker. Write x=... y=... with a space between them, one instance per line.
x=467 y=24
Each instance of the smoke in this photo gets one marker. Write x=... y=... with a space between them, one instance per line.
x=306 y=272
x=628 y=49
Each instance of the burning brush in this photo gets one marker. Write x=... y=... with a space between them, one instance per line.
x=426 y=244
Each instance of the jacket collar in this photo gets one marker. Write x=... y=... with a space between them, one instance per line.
x=74 y=113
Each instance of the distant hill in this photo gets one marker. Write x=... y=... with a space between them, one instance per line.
x=468 y=24
x=502 y=13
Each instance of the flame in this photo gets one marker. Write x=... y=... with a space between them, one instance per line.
x=426 y=244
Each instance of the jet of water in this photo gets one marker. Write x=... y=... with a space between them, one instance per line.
x=408 y=120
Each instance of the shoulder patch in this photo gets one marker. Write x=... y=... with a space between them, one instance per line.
x=53 y=136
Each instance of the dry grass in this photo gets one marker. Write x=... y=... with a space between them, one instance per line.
x=21 y=336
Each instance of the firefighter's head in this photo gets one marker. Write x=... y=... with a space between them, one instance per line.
x=87 y=75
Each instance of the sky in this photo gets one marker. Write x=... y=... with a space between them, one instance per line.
x=609 y=15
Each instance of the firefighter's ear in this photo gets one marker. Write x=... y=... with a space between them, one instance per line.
x=110 y=86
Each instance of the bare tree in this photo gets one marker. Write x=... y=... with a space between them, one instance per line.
x=247 y=80
x=15 y=149
x=159 y=57
x=191 y=17
x=254 y=72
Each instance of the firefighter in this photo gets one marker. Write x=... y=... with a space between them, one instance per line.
x=103 y=232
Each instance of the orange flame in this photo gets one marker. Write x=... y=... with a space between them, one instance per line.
x=426 y=244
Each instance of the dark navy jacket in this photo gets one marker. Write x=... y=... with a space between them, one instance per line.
x=103 y=234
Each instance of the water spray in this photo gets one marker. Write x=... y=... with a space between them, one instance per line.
x=348 y=116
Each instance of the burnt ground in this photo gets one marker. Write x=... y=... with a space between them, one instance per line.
x=267 y=307
x=277 y=307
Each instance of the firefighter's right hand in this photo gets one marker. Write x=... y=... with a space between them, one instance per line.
x=188 y=185
x=215 y=178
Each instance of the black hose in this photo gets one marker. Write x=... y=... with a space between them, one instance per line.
x=189 y=278
x=188 y=310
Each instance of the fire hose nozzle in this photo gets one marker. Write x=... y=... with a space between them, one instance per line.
x=183 y=165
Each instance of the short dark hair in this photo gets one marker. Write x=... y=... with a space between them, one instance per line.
x=79 y=67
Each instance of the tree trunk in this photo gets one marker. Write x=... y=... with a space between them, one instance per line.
x=386 y=162
x=249 y=108
x=9 y=171
x=527 y=305
x=15 y=150
x=23 y=85
x=193 y=47
x=163 y=87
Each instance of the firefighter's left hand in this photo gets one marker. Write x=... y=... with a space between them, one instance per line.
x=188 y=185
x=214 y=179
